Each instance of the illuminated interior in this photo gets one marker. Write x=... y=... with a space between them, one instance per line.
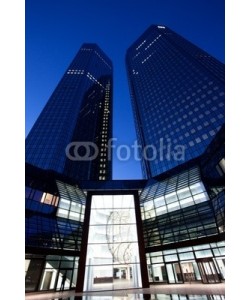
x=112 y=252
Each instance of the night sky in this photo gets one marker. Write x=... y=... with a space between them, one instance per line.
x=55 y=30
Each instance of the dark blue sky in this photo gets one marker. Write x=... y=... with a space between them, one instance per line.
x=55 y=29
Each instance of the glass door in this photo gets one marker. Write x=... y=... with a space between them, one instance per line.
x=174 y=273
x=208 y=271
x=177 y=272
x=47 y=280
x=64 y=279
x=221 y=267
x=34 y=269
x=190 y=271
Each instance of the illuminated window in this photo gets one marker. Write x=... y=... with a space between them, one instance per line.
x=49 y=199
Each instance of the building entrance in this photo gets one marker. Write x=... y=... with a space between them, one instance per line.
x=174 y=273
x=208 y=271
x=190 y=271
x=112 y=253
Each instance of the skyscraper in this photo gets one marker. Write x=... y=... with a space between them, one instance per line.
x=71 y=134
x=125 y=234
x=177 y=93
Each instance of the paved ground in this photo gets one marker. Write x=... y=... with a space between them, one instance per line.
x=154 y=292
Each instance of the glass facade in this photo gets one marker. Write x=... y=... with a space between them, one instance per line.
x=184 y=209
x=90 y=237
x=178 y=98
x=112 y=253
x=45 y=273
x=87 y=232
x=79 y=110
x=205 y=263
x=180 y=209
x=58 y=224
x=53 y=229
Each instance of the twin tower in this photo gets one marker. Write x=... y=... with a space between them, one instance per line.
x=177 y=93
x=87 y=232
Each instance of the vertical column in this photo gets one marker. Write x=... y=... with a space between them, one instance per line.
x=128 y=273
x=143 y=262
x=84 y=245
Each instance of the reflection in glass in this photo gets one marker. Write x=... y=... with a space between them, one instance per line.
x=152 y=297
x=159 y=272
x=208 y=271
x=177 y=272
x=170 y=272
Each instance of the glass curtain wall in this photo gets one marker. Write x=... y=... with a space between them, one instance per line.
x=51 y=272
x=112 y=252
x=204 y=263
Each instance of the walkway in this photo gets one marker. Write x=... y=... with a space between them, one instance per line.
x=154 y=292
